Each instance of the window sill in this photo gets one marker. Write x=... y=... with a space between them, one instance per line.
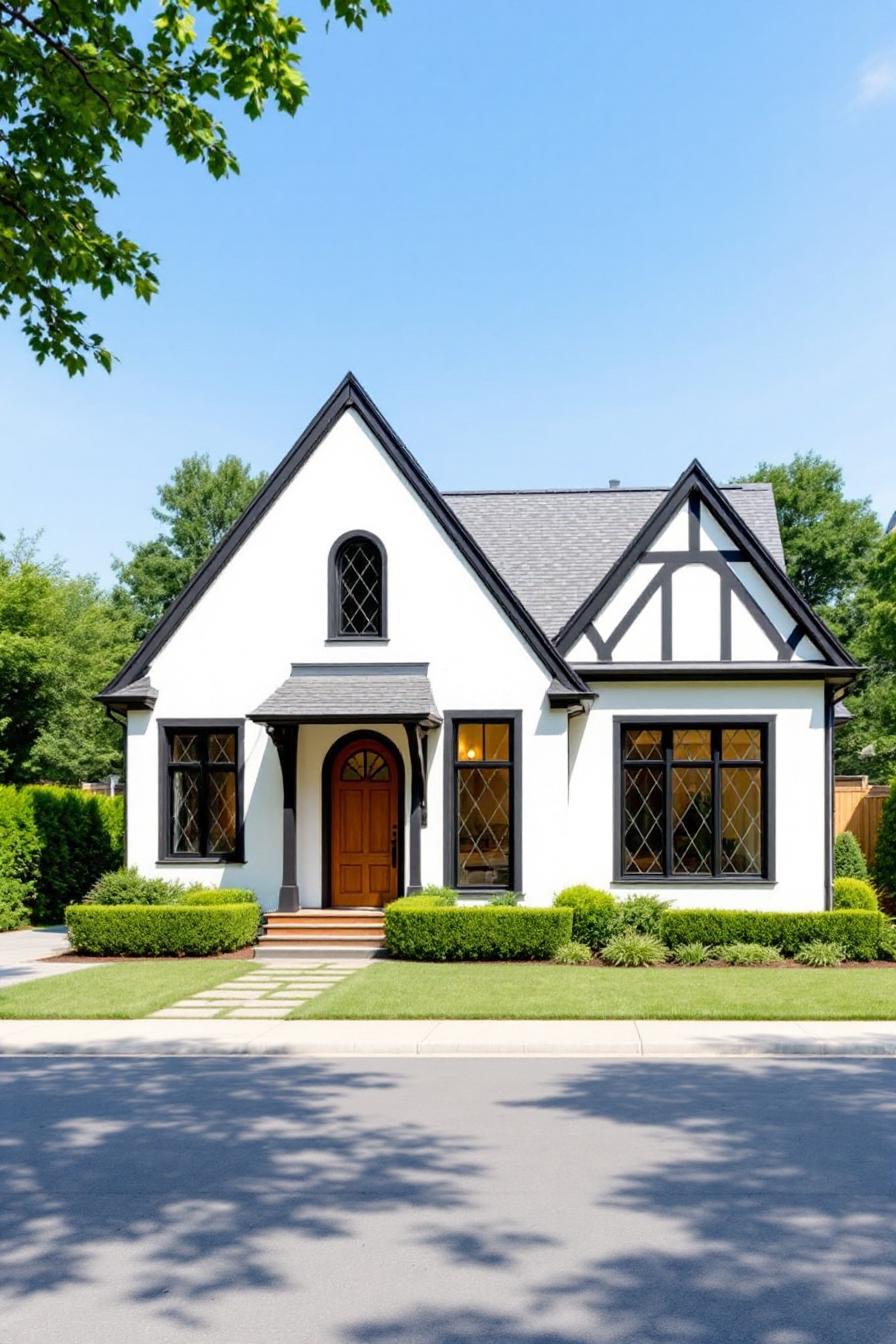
x=197 y=860
x=694 y=882
x=357 y=639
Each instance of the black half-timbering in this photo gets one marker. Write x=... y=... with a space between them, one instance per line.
x=483 y=801
x=694 y=800
x=201 y=791
x=357 y=587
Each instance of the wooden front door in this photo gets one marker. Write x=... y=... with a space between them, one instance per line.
x=364 y=837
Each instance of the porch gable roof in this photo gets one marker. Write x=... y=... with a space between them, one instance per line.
x=351 y=692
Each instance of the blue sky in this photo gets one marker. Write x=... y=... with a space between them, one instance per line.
x=557 y=244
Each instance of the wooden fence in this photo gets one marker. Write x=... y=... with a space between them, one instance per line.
x=857 y=807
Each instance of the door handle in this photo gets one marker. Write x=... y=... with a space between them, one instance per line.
x=394 y=846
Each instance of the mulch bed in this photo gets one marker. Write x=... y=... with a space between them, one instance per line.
x=243 y=954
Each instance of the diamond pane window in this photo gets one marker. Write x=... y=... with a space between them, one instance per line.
x=359 y=584
x=691 y=820
x=185 y=812
x=644 y=744
x=185 y=748
x=741 y=744
x=203 y=802
x=484 y=804
x=742 y=820
x=643 y=825
x=693 y=800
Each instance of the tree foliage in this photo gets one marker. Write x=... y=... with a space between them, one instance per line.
x=82 y=79
x=196 y=507
x=61 y=638
x=828 y=539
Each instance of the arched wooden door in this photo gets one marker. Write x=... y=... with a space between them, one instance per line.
x=365 y=775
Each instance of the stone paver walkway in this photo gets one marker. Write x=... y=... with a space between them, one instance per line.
x=267 y=991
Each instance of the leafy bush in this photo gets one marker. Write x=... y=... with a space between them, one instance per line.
x=849 y=861
x=885 y=854
x=474 y=933
x=749 y=954
x=692 y=954
x=820 y=953
x=218 y=896
x=19 y=841
x=635 y=949
x=573 y=954
x=76 y=845
x=641 y=914
x=595 y=914
x=857 y=930
x=506 y=898
x=125 y=886
x=886 y=947
x=160 y=930
x=851 y=893
x=13 y=910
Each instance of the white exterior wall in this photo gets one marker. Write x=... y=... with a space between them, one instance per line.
x=268 y=609
x=799 y=824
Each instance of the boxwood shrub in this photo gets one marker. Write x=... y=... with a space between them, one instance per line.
x=160 y=930
x=857 y=931
x=475 y=933
x=851 y=893
x=125 y=886
x=595 y=914
x=849 y=859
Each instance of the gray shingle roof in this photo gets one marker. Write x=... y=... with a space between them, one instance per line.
x=554 y=546
x=375 y=691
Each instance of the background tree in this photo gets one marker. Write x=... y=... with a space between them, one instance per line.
x=838 y=557
x=61 y=638
x=197 y=506
x=828 y=539
x=77 y=84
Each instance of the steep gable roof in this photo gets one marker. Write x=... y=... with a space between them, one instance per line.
x=554 y=546
x=349 y=395
x=695 y=482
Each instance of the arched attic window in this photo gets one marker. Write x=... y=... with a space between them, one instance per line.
x=357 y=587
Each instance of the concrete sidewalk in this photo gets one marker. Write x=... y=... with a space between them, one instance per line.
x=623 y=1039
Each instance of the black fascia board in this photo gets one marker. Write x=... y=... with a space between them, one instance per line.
x=349 y=395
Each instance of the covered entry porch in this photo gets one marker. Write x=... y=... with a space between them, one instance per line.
x=352 y=744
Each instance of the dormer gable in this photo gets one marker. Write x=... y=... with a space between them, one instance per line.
x=695 y=586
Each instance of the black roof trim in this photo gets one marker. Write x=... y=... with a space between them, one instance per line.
x=138 y=695
x=696 y=479
x=349 y=395
x=837 y=674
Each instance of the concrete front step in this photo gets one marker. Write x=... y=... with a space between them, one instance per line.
x=306 y=950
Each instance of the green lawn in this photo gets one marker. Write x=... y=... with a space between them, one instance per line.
x=132 y=989
x=528 y=990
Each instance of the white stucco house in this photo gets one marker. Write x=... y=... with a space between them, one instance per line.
x=372 y=686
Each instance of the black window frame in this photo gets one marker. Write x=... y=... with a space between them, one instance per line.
x=451 y=722
x=667 y=724
x=168 y=728
x=335 y=632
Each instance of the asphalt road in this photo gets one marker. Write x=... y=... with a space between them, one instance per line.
x=447 y=1201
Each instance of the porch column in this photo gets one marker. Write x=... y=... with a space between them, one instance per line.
x=285 y=738
x=417 y=751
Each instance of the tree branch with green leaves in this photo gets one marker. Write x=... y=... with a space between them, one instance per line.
x=77 y=84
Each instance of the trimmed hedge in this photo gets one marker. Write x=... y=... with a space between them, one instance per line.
x=857 y=931
x=218 y=896
x=475 y=933
x=160 y=930
x=885 y=853
x=851 y=893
